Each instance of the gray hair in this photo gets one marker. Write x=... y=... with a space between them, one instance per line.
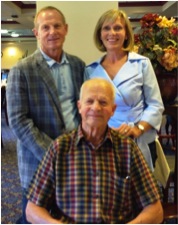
x=98 y=80
x=46 y=8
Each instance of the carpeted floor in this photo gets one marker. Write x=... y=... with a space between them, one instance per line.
x=10 y=183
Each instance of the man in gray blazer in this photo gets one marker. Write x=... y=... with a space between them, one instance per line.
x=42 y=94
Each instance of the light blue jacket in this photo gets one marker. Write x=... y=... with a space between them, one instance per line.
x=137 y=96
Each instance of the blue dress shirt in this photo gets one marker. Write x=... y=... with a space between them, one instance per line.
x=61 y=73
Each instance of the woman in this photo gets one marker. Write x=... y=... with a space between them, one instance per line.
x=139 y=104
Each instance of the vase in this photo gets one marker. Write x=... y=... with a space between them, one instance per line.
x=168 y=86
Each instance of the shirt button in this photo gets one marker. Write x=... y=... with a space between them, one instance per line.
x=97 y=196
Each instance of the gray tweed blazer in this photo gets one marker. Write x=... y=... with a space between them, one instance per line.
x=34 y=109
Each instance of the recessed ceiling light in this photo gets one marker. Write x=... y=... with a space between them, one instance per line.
x=14 y=35
x=4 y=31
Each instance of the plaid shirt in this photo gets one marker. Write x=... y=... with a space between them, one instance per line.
x=108 y=184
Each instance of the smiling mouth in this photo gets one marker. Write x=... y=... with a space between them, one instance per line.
x=112 y=40
x=95 y=116
x=54 y=39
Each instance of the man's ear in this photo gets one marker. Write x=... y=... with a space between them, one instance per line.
x=113 y=109
x=67 y=27
x=35 y=31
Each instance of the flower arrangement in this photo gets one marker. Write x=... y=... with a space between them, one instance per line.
x=158 y=41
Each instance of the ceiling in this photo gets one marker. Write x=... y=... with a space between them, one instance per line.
x=18 y=16
x=137 y=9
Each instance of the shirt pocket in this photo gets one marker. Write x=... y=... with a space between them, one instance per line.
x=121 y=192
x=116 y=204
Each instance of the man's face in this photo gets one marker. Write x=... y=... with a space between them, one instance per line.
x=51 y=30
x=96 y=106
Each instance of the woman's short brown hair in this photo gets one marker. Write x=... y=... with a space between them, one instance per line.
x=111 y=16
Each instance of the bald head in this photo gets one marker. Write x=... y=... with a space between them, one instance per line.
x=106 y=86
x=96 y=104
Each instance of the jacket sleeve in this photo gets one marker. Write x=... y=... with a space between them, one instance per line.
x=152 y=97
x=19 y=115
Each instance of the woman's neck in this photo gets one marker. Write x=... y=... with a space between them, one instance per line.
x=112 y=63
x=114 y=57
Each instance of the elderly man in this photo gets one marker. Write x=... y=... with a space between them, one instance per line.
x=94 y=174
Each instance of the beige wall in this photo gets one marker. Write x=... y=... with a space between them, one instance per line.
x=13 y=52
x=81 y=17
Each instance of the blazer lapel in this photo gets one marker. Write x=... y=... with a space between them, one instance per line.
x=129 y=70
x=46 y=77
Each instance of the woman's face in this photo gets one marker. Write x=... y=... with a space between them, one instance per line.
x=113 y=34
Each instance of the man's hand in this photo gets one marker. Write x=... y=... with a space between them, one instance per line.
x=39 y=215
x=151 y=214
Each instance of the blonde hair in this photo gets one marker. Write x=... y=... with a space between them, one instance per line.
x=111 y=16
x=46 y=9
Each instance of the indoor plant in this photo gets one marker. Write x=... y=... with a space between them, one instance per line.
x=157 y=40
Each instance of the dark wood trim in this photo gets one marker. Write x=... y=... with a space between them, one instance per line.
x=24 y=6
x=9 y=22
x=20 y=36
x=141 y=3
x=135 y=20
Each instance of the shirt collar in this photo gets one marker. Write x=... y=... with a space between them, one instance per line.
x=51 y=61
x=135 y=56
x=97 y=62
x=131 y=57
x=81 y=136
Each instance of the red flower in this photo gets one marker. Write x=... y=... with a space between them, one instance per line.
x=149 y=20
x=157 y=40
x=174 y=31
